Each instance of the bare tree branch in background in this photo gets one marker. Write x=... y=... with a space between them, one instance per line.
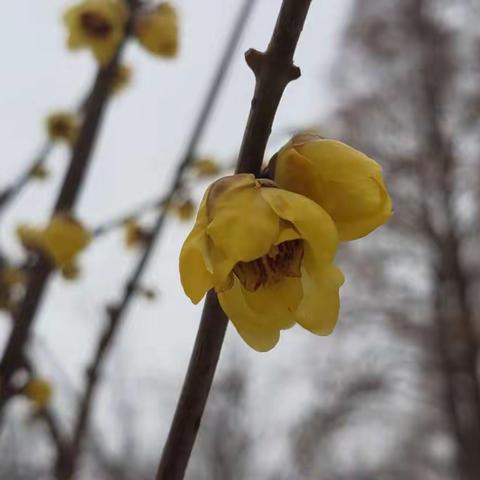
x=40 y=272
x=66 y=464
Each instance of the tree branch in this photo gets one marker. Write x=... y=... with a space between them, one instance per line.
x=273 y=70
x=66 y=465
x=11 y=191
x=39 y=273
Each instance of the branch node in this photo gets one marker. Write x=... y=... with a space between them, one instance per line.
x=294 y=72
x=254 y=60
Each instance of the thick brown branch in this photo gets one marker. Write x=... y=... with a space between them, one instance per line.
x=273 y=70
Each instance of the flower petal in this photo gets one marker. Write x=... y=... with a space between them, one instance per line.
x=282 y=296
x=318 y=311
x=357 y=227
x=309 y=219
x=243 y=226
x=261 y=332
x=337 y=161
x=194 y=274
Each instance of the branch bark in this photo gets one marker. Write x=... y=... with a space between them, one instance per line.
x=273 y=70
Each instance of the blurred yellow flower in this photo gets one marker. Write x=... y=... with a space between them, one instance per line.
x=39 y=172
x=157 y=30
x=134 y=234
x=269 y=255
x=121 y=78
x=342 y=180
x=206 y=167
x=61 y=240
x=184 y=209
x=98 y=25
x=39 y=391
x=11 y=279
x=62 y=126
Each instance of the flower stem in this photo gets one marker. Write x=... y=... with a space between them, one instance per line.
x=273 y=70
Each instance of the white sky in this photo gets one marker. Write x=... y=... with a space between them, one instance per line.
x=142 y=136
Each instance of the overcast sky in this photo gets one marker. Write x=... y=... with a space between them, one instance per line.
x=142 y=137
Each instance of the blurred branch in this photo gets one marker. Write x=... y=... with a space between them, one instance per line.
x=273 y=71
x=11 y=191
x=40 y=272
x=66 y=466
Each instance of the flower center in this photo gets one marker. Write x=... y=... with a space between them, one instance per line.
x=95 y=25
x=283 y=260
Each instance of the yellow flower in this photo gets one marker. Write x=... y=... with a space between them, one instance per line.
x=184 y=209
x=62 y=126
x=342 y=180
x=135 y=235
x=157 y=30
x=98 y=25
x=121 y=78
x=12 y=280
x=206 y=167
x=39 y=172
x=61 y=240
x=268 y=253
x=39 y=391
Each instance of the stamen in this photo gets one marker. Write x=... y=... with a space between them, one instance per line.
x=283 y=260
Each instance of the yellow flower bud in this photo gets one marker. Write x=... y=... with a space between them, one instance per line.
x=268 y=253
x=62 y=126
x=12 y=281
x=345 y=182
x=39 y=391
x=98 y=25
x=184 y=210
x=157 y=30
x=61 y=240
x=121 y=79
x=39 y=172
x=206 y=167
x=134 y=234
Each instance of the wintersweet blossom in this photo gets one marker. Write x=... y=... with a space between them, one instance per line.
x=39 y=391
x=62 y=126
x=98 y=25
x=345 y=182
x=269 y=254
x=206 y=167
x=156 y=29
x=134 y=234
x=61 y=240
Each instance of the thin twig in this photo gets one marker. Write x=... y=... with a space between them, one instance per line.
x=273 y=70
x=66 y=466
x=136 y=212
x=10 y=192
x=142 y=209
x=40 y=272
